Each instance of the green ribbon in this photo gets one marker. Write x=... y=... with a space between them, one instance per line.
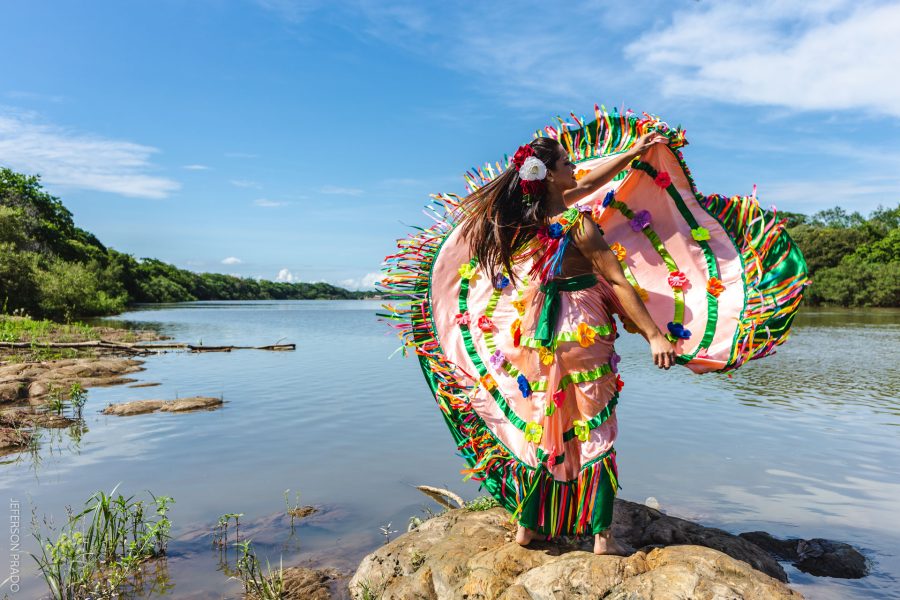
x=546 y=327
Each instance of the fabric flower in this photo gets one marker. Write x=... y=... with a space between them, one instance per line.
x=586 y=334
x=662 y=179
x=546 y=355
x=516 y=330
x=559 y=396
x=582 y=431
x=619 y=383
x=519 y=305
x=467 y=270
x=595 y=213
x=642 y=294
x=463 y=318
x=640 y=220
x=531 y=187
x=555 y=231
x=524 y=386
x=533 y=169
x=614 y=362
x=580 y=173
x=583 y=208
x=500 y=281
x=485 y=323
x=678 y=330
x=497 y=359
x=715 y=286
x=700 y=234
x=619 y=250
x=677 y=279
x=551 y=458
x=488 y=382
x=533 y=432
x=521 y=154
x=608 y=199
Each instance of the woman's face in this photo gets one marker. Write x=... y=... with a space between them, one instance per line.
x=561 y=174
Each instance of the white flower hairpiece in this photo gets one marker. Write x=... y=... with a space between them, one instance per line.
x=532 y=169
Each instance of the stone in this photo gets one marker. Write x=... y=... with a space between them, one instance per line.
x=136 y=407
x=473 y=555
x=139 y=407
x=302 y=583
x=816 y=556
x=194 y=403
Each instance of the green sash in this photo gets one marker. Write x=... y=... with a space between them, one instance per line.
x=546 y=327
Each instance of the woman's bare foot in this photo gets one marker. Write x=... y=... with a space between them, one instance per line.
x=604 y=543
x=524 y=536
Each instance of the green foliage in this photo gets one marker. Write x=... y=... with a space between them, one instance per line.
x=482 y=503
x=853 y=261
x=51 y=268
x=103 y=546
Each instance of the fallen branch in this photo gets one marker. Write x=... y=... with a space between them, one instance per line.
x=126 y=347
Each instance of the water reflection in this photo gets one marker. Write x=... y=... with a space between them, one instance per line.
x=833 y=359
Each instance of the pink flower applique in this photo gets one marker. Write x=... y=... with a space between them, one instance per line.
x=462 y=318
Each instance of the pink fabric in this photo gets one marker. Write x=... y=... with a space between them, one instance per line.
x=594 y=307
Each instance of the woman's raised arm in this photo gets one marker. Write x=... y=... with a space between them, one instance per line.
x=588 y=239
x=604 y=173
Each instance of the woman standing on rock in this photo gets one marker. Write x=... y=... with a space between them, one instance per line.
x=509 y=299
x=566 y=327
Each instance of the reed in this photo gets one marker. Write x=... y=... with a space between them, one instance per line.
x=259 y=584
x=102 y=547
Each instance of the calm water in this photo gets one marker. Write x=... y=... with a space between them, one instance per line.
x=805 y=443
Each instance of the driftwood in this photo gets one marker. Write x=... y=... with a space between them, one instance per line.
x=144 y=347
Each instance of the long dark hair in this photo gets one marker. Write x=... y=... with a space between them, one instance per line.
x=498 y=223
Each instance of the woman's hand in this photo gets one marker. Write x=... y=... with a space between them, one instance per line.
x=648 y=139
x=663 y=351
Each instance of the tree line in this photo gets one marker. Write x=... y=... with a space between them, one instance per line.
x=51 y=268
x=853 y=260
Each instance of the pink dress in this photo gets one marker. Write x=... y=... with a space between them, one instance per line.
x=527 y=388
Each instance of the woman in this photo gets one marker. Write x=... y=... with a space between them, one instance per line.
x=505 y=222
x=507 y=301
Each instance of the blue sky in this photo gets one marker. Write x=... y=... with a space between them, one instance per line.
x=298 y=139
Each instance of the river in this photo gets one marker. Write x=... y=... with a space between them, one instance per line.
x=805 y=443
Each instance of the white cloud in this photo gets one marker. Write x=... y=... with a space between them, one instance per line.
x=244 y=183
x=266 y=203
x=366 y=282
x=78 y=160
x=286 y=276
x=195 y=167
x=231 y=260
x=835 y=54
x=863 y=194
x=341 y=191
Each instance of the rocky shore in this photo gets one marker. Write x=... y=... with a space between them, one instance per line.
x=463 y=554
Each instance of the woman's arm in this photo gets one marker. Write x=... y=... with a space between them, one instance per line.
x=590 y=242
x=605 y=172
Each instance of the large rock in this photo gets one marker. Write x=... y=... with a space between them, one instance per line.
x=816 y=556
x=473 y=555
